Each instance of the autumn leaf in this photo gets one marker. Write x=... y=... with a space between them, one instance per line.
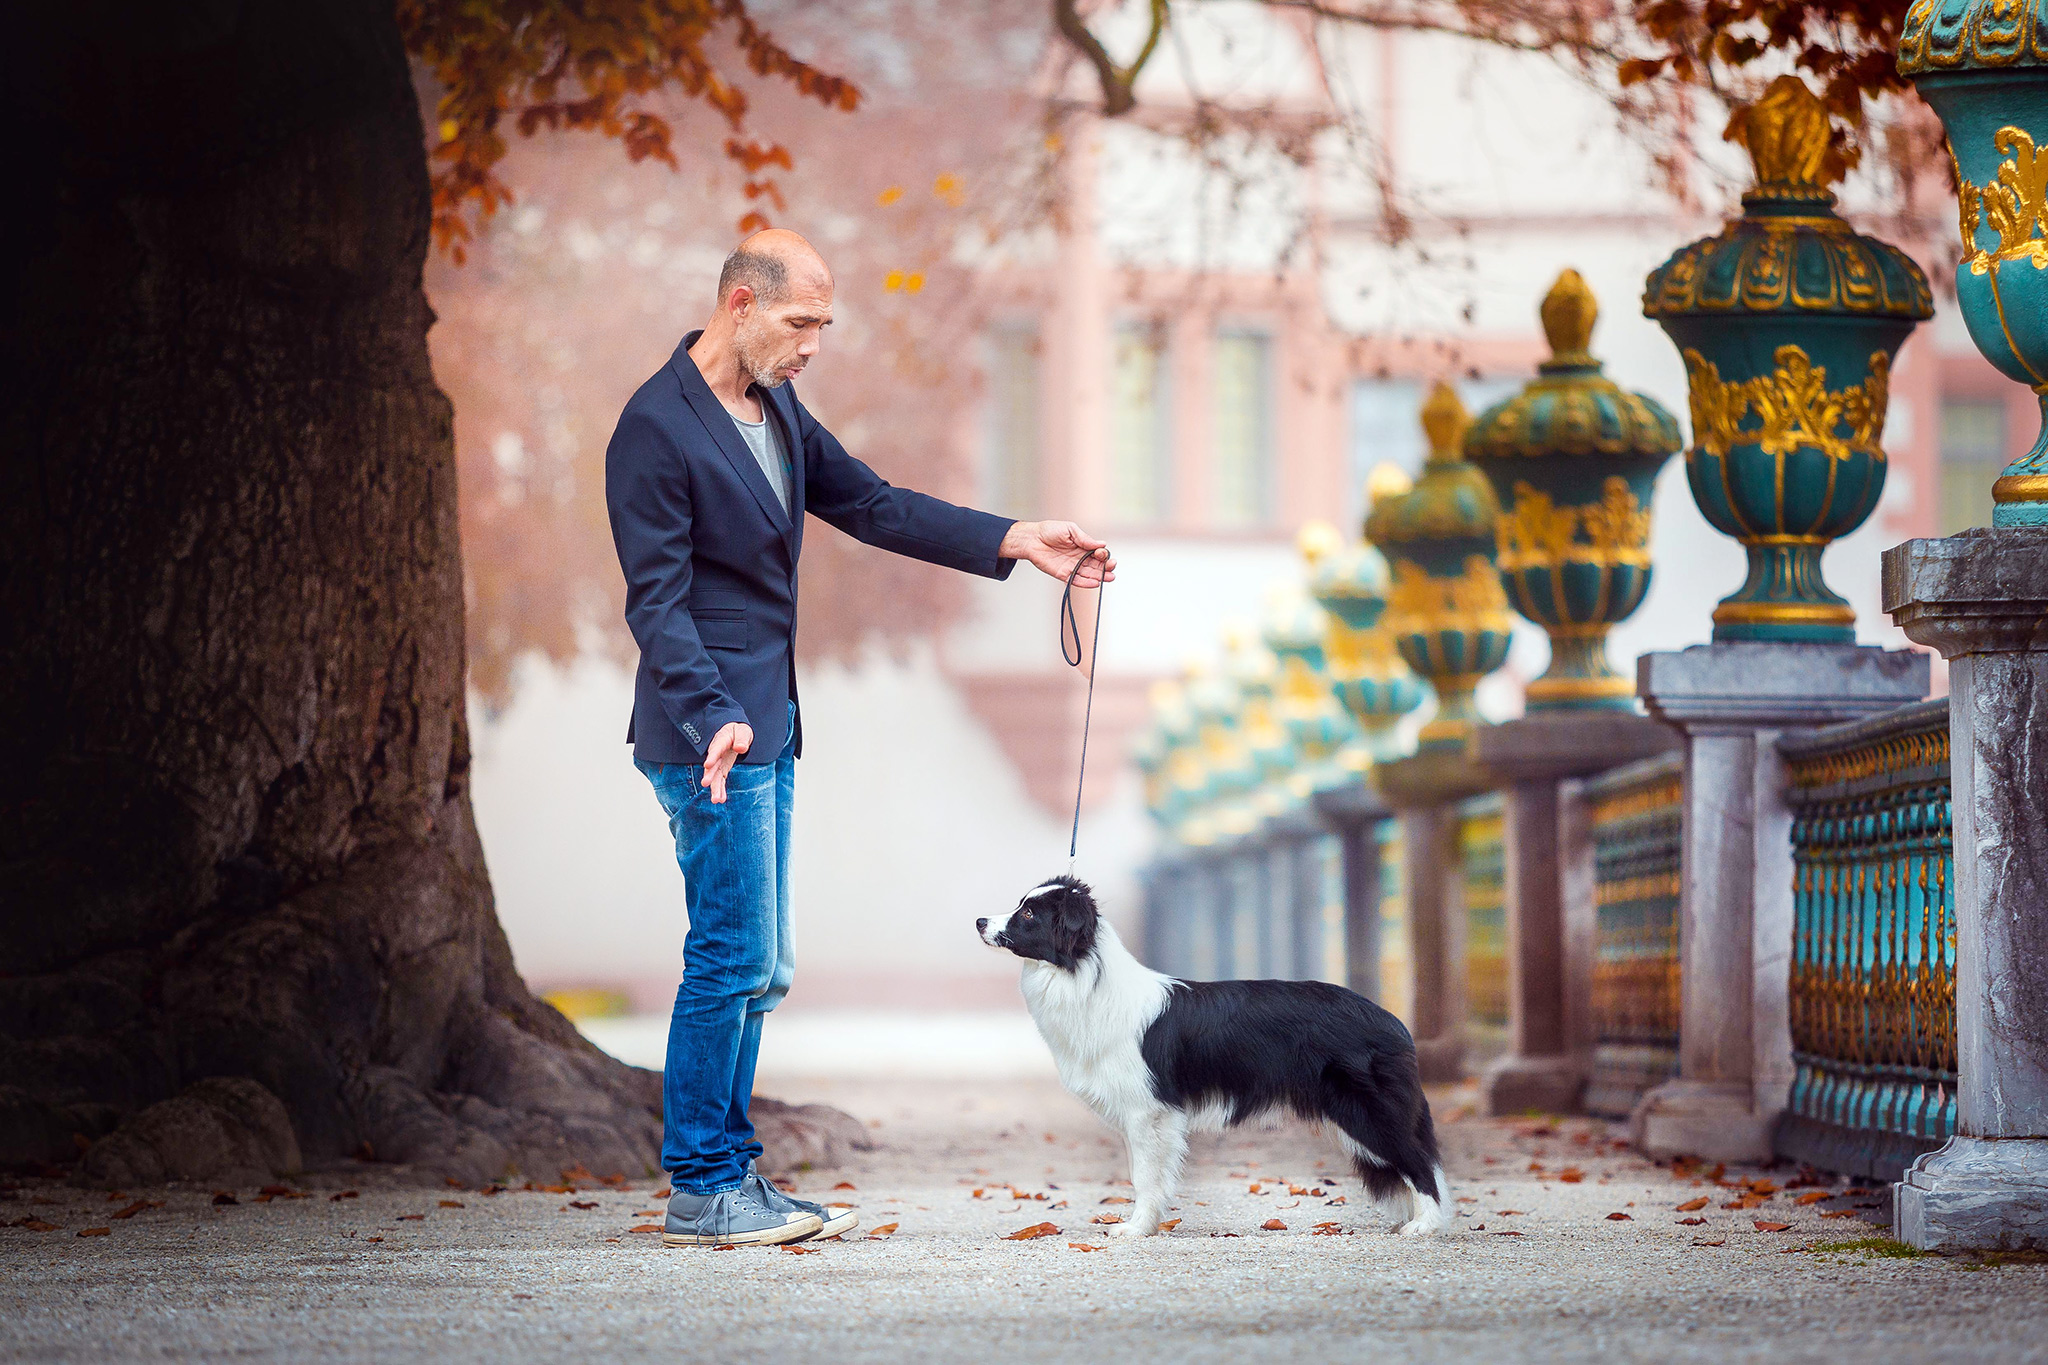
x=281 y=1192
x=1718 y=1242
x=1274 y=1225
x=1813 y=1197
x=1255 y=1189
x=458 y=1204
x=1034 y=1231
x=137 y=1207
x=1691 y=1222
x=801 y=1251
x=1762 y=1226
x=373 y=1239
x=1107 y=1218
x=411 y=1217
x=36 y=1225
x=1839 y=1213
x=1762 y=1187
x=1113 y=1199
x=1084 y=1246
x=1327 y=1203
x=1328 y=1230
x=1620 y=1218
x=95 y=1232
x=1571 y=1175
x=1297 y=1189
x=844 y=1185
x=1169 y=1225
x=648 y=1227
x=1509 y=1233
x=345 y=1194
x=582 y=1203
x=1509 y=1213
x=883 y=1230
x=224 y=1197
x=1694 y=1205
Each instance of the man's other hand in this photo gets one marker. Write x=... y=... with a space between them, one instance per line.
x=732 y=740
x=1054 y=546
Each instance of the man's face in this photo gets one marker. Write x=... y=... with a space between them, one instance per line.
x=776 y=340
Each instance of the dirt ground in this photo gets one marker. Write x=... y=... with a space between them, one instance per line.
x=1566 y=1247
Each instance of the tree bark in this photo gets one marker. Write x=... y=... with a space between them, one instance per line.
x=237 y=837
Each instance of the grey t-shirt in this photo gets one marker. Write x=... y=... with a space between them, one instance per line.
x=764 y=438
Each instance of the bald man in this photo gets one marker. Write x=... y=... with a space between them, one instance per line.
x=708 y=478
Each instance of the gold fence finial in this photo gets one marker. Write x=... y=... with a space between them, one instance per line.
x=1444 y=420
x=1785 y=131
x=1569 y=311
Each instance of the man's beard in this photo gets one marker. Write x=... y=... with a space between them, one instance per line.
x=765 y=374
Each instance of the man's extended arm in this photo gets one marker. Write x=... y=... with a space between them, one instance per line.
x=647 y=492
x=849 y=495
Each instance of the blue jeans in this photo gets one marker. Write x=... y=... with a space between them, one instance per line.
x=737 y=961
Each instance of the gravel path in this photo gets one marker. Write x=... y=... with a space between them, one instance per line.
x=400 y=1271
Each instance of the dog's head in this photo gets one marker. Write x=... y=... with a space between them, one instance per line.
x=1055 y=923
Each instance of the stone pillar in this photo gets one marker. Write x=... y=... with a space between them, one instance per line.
x=1550 y=937
x=1311 y=885
x=1435 y=894
x=1212 y=874
x=1981 y=598
x=1730 y=701
x=1275 y=861
x=1353 y=813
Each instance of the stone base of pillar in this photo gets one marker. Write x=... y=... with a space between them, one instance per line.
x=1517 y=1085
x=1440 y=1060
x=1976 y=1194
x=1716 y=1121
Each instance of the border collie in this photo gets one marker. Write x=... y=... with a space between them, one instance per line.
x=1157 y=1058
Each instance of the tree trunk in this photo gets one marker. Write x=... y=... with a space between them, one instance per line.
x=237 y=838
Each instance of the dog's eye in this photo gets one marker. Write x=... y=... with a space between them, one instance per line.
x=1023 y=914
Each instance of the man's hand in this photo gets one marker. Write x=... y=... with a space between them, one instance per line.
x=732 y=740
x=1054 y=546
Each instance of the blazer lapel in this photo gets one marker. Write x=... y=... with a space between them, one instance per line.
x=780 y=406
x=718 y=422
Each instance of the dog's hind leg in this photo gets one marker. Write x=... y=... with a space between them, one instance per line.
x=1395 y=1154
x=1158 y=1143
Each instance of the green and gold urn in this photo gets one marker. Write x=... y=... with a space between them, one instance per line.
x=1446 y=608
x=1364 y=668
x=1574 y=458
x=1983 y=65
x=1788 y=322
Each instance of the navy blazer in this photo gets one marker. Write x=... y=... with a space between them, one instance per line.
x=710 y=556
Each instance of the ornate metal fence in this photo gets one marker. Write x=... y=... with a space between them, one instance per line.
x=1874 y=942
x=1635 y=813
x=1484 y=860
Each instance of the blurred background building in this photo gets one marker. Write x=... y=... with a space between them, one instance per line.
x=1192 y=331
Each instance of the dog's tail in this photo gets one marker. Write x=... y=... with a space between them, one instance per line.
x=1379 y=1105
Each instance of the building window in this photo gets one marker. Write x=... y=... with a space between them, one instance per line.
x=1010 y=475
x=1386 y=428
x=1244 y=429
x=1973 y=453
x=1138 y=447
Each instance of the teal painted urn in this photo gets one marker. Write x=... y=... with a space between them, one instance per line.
x=1361 y=662
x=1788 y=322
x=1446 y=608
x=1305 y=704
x=1574 y=458
x=1157 y=749
x=1983 y=66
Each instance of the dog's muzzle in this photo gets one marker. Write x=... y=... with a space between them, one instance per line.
x=994 y=940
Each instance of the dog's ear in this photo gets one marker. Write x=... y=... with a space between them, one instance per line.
x=1073 y=925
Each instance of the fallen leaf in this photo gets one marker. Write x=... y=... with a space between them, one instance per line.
x=1691 y=1222
x=1620 y=1218
x=1328 y=1230
x=1317 y=1194
x=453 y=1204
x=1297 y=1189
x=844 y=1185
x=1509 y=1233
x=1720 y=1242
x=500 y=1189
x=1762 y=1226
x=647 y=1213
x=1255 y=1189
x=1169 y=1225
x=1762 y=1187
x=1694 y=1205
x=1839 y=1213
x=137 y=1207
x=1223 y=1234
x=1332 y=1202
x=1035 y=1230
x=1854 y=1192
x=95 y=1232
x=345 y=1194
x=1274 y=1225
x=1571 y=1175
x=411 y=1217
x=36 y=1225
x=1107 y=1218
x=224 y=1197
x=1813 y=1197
x=372 y=1239
x=1509 y=1213
x=453 y=1183
x=1294 y=1204
x=801 y=1251
x=280 y=1191
x=883 y=1230
x=1113 y=1199
x=1062 y=1204
x=1535 y=1165
x=648 y=1227
x=1084 y=1246
x=981 y=1194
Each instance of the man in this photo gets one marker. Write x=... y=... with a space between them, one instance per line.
x=708 y=478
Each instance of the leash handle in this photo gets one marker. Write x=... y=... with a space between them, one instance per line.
x=1070 y=624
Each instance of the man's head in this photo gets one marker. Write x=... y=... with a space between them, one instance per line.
x=775 y=295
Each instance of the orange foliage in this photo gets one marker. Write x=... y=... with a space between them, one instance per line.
x=582 y=65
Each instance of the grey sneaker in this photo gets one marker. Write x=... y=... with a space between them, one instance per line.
x=733 y=1218
x=835 y=1218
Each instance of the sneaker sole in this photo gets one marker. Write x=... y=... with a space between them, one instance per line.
x=765 y=1237
x=844 y=1220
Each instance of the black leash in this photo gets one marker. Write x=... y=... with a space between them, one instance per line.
x=1070 y=624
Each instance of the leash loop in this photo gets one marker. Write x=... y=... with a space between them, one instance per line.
x=1070 y=624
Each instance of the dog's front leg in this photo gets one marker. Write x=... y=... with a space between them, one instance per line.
x=1158 y=1143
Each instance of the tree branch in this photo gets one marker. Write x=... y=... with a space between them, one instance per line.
x=1116 y=80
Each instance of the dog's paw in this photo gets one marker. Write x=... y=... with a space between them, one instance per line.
x=1134 y=1230
x=1416 y=1227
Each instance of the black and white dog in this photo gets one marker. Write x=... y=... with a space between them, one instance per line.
x=1158 y=1058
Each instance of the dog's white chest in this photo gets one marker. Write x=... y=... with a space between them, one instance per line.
x=1093 y=1023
